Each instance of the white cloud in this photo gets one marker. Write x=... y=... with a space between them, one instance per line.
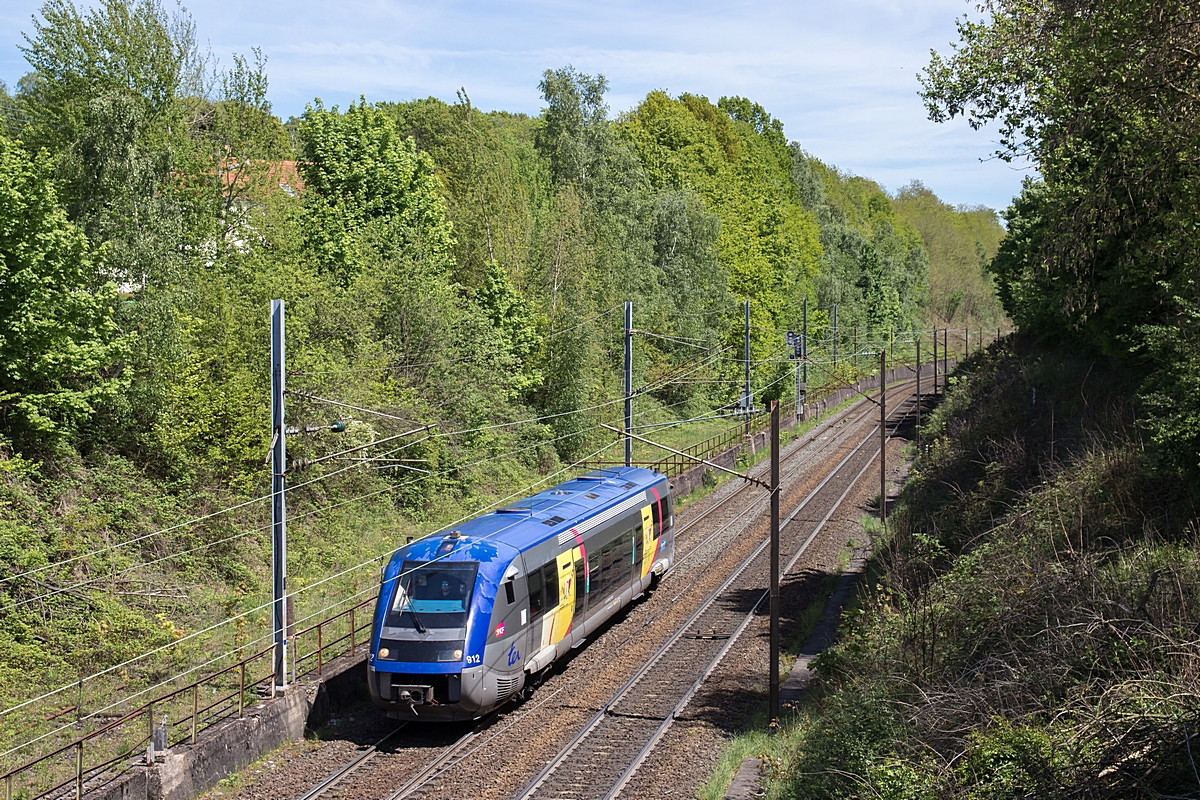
x=840 y=76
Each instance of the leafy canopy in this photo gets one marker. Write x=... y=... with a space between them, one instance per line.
x=357 y=171
x=134 y=47
x=1104 y=99
x=58 y=344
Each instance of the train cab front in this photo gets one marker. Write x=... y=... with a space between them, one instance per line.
x=421 y=665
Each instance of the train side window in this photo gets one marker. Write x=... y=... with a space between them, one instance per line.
x=537 y=598
x=606 y=566
x=625 y=553
x=638 y=532
x=580 y=582
x=596 y=573
x=550 y=581
x=509 y=594
x=656 y=513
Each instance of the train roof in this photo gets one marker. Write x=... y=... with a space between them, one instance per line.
x=528 y=522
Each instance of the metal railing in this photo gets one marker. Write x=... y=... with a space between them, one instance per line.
x=185 y=711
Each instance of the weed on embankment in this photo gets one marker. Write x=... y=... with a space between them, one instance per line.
x=1030 y=624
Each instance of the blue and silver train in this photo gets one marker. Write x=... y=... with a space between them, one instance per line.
x=471 y=617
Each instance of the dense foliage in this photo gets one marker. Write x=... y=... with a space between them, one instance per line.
x=1103 y=99
x=60 y=346
x=1030 y=625
x=961 y=243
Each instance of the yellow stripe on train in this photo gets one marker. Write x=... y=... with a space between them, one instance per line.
x=649 y=543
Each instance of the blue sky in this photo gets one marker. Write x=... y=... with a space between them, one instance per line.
x=841 y=76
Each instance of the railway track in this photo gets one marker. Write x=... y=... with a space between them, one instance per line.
x=689 y=650
x=601 y=759
x=806 y=451
x=346 y=770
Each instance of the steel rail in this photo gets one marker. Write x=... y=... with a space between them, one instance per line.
x=418 y=780
x=644 y=753
x=347 y=769
x=796 y=451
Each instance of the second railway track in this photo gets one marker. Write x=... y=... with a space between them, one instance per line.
x=599 y=761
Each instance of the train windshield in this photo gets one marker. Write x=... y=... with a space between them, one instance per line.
x=432 y=594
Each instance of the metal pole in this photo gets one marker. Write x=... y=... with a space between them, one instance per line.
x=799 y=388
x=278 y=505
x=804 y=343
x=774 y=699
x=883 y=437
x=835 y=335
x=628 y=382
x=945 y=356
x=918 y=391
x=856 y=352
x=935 y=362
x=746 y=398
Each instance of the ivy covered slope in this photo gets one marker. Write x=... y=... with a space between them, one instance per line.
x=1030 y=625
x=447 y=266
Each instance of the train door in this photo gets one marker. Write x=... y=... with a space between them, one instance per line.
x=559 y=621
x=578 y=555
x=508 y=636
x=535 y=607
x=648 y=534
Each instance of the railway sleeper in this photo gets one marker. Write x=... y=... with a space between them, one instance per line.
x=628 y=715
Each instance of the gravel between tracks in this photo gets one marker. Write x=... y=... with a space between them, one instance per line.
x=737 y=691
x=514 y=744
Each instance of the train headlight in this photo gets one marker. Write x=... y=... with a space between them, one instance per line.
x=457 y=654
x=384 y=652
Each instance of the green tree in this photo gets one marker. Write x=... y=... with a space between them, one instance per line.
x=132 y=46
x=1104 y=99
x=358 y=171
x=874 y=264
x=961 y=243
x=59 y=349
x=573 y=133
x=768 y=244
x=495 y=185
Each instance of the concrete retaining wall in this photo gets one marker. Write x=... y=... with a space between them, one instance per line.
x=186 y=771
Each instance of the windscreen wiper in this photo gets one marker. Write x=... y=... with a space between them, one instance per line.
x=402 y=595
